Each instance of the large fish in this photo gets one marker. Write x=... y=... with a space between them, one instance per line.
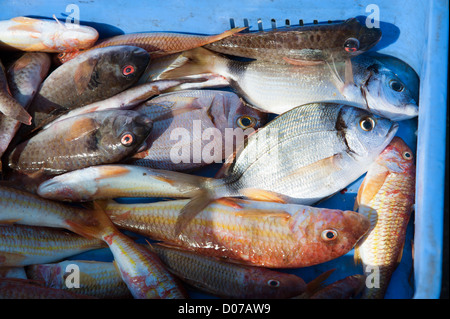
x=97 y=279
x=256 y=233
x=80 y=141
x=226 y=279
x=156 y=43
x=25 y=76
x=301 y=45
x=386 y=198
x=302 y=156
x=193 y=128
x=276 y=88
x=91 y=77
x=28 y=34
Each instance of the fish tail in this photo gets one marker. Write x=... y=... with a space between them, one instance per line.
x=193 y=62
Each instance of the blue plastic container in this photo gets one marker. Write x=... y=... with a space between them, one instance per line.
x=413 y=31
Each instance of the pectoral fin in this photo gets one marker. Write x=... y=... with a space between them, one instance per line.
x=83 y=74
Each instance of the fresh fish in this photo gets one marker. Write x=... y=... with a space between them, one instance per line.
x=95 y=138
x=193 y=128
x=301 y=45
x=228 y=280
x=255 y=233
x=21 y=207
x=92 y=77
x=97 y=279
x=140 y=269
x=24 y=77
x=28 y=34
x=15 y=288
x=22 y=245
x=156 y=43
x=112 y=181
x=275 y=88
x=349 y=287
x=9 y=107
x=302 y=156
x=386 y=198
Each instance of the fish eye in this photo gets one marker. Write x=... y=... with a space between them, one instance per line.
x=396 y=85
x=367 y=124
x=246 y=121
x=329 y=234
x=61 y=55
x=273 y=283
x=127 y=139
x=128 y=69
x=351 y=45
x=407 y=155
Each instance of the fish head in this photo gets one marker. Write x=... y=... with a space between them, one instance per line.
x=359 y=38
x=386 y=94
x=73 y=37
x=264 y=283
x=397 y=157
x=123 y=132
x=363 y=133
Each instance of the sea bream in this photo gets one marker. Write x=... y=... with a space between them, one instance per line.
x=276 y=88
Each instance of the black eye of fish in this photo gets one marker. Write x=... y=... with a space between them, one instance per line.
x=407 y=155
x=396 y=85
x=329 y=234
x=273 y=283
x=127 y=139
x=367 y=124
x=351 y=45
x=246 y=122
x=127 y=70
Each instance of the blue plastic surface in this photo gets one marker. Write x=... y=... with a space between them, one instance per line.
x=413 y=31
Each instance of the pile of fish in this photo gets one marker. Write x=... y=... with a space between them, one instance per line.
x=88 y=126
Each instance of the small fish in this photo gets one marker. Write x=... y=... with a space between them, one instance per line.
x=226 y=279
x=254 y=233
x=156 y=43
x=28 y=34
x=24 y=76
x=193 y=128
x=302 y=156
x=276 y=88
x=347 y=288
x=97 y=279
x=15 y=288
x=9 y=107
x=386 y=198
x=95 y=138
x=94 y=76
x=22 y=245
x=140 y=269
x=112 y=181
x=303 y=45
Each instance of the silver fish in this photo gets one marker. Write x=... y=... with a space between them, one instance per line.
x=275 y=88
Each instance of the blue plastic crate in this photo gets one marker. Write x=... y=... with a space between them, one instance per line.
x=413 y=31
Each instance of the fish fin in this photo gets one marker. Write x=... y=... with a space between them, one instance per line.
x=80 y=128
x=29 y=27
x=191 y=62
x=25 y=20
x=83 y=74
x=230 y=202
x=15 y=110
x=298 y=62
x=108 y=171
x=13 y=259
x=349 y=79
x=263 y=195
x=357 y=255
x=9 y=221
x=170 y=113
x=265 y=213
x=316 y=284
x=226 y=34
x=369 y=187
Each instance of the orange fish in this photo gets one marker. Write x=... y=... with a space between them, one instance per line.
x=386 y=198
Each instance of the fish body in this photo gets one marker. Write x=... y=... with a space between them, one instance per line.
x=24 y=78
x=346 y=288
x=316 y=42
x=193 y=128
x=91 y=77
x=251 y=232
x=229 y=280
x=89 y=139
x=28 y=34
x=156 y=43
x=97 y=279
x=15 y=288
x=277 y=88
x=112 y=181
x=22 y=245
x=386 y=198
